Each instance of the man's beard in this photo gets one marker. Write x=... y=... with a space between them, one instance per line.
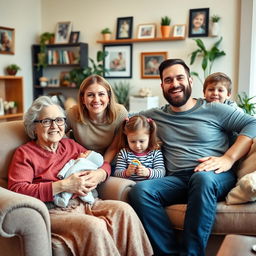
x=178 y=102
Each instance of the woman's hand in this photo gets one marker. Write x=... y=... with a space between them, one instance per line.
x=76 y=183
x=213 y=163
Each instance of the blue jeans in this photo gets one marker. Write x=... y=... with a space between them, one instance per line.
x=200 y=190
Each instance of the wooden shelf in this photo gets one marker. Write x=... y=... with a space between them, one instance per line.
x=11 y=89
x=55 y=87
x=140 y=40
x=12 y=116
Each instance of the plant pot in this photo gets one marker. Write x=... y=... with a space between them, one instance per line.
x=13 y=110
x=11 y=72
x=106 y=37
x=215 y=29
x=165 y=31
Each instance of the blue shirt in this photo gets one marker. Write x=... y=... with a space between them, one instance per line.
x=199 y=132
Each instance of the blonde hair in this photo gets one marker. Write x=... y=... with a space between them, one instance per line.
x=111 y=111
x=134 y=124
x=218 y=77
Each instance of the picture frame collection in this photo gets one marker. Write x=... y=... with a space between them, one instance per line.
x=119 y=60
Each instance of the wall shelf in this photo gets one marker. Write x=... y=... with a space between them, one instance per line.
x=140 y=40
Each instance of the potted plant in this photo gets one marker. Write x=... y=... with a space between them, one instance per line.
x=165 y=26
x=77 y=75
x=244 y=102
x=12 y=69
x=122 y=92
x=45 y=38
x=208 y=57
x=215 y=25
x=106 y=33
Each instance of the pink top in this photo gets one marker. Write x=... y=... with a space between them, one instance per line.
x=33 y=169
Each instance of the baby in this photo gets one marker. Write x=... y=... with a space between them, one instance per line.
x=89 y=160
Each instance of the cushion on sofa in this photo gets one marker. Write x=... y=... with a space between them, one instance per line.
x=244 y=191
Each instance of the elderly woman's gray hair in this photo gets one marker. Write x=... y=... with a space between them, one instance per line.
x=34 y=111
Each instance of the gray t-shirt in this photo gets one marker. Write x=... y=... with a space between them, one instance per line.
x=199 y=132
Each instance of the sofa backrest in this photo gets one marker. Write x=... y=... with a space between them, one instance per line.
x=12 y=135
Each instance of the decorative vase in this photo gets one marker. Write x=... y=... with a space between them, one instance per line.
x=215 y=29
x=165 y=31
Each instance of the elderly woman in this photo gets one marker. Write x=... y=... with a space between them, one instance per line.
x=96 y=117
x=104 y=228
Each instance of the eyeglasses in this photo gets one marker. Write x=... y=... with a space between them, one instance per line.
x=47 y=122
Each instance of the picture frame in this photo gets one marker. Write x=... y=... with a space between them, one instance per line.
x=63 y=31
x=146 y=30
x=124 y=27
x=7 y=40
x=198 y=22
x=150 y=62
x=179 y=31
x=74 y=37
x=118 y=61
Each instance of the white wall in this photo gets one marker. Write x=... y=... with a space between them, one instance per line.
x=247 y=63
x=89 y=17
x=25 y=18
x=32 y=17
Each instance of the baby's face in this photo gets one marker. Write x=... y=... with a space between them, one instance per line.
x=216 y=92
x=198 y=20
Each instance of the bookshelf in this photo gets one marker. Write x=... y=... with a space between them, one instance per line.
x=61 y=58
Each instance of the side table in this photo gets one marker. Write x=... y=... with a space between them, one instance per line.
x=237 y=245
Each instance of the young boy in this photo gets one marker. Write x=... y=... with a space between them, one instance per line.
x=217 y=88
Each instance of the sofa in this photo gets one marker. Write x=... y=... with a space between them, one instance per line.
x=25 y=222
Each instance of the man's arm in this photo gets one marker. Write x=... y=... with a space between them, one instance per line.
x=224 y=163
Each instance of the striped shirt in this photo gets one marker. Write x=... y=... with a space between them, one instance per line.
x=153 y=160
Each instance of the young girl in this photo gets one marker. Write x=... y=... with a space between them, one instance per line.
x=140 y=157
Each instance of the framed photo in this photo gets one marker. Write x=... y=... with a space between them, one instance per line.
x=146 y=30
x=74 y=37
x=179 y=30
x=150 y=62
x=7 y=39
x=118 y=62
x=124 y=28
x=62 y=33
x=198 y=22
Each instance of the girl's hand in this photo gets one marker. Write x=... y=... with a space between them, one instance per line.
x=130 y=170
x=142 y=171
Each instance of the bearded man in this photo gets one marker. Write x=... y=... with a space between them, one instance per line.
x=198 y=162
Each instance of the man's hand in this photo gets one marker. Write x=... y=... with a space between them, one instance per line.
x=213 y=163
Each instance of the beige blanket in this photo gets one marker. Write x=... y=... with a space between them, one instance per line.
x=106 y=228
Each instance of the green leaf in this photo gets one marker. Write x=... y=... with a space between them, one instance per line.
x=193 y=56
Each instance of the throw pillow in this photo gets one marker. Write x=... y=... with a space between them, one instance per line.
x=244 y=190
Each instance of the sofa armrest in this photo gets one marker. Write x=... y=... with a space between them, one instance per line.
x=115 y=188
x=28 y=218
